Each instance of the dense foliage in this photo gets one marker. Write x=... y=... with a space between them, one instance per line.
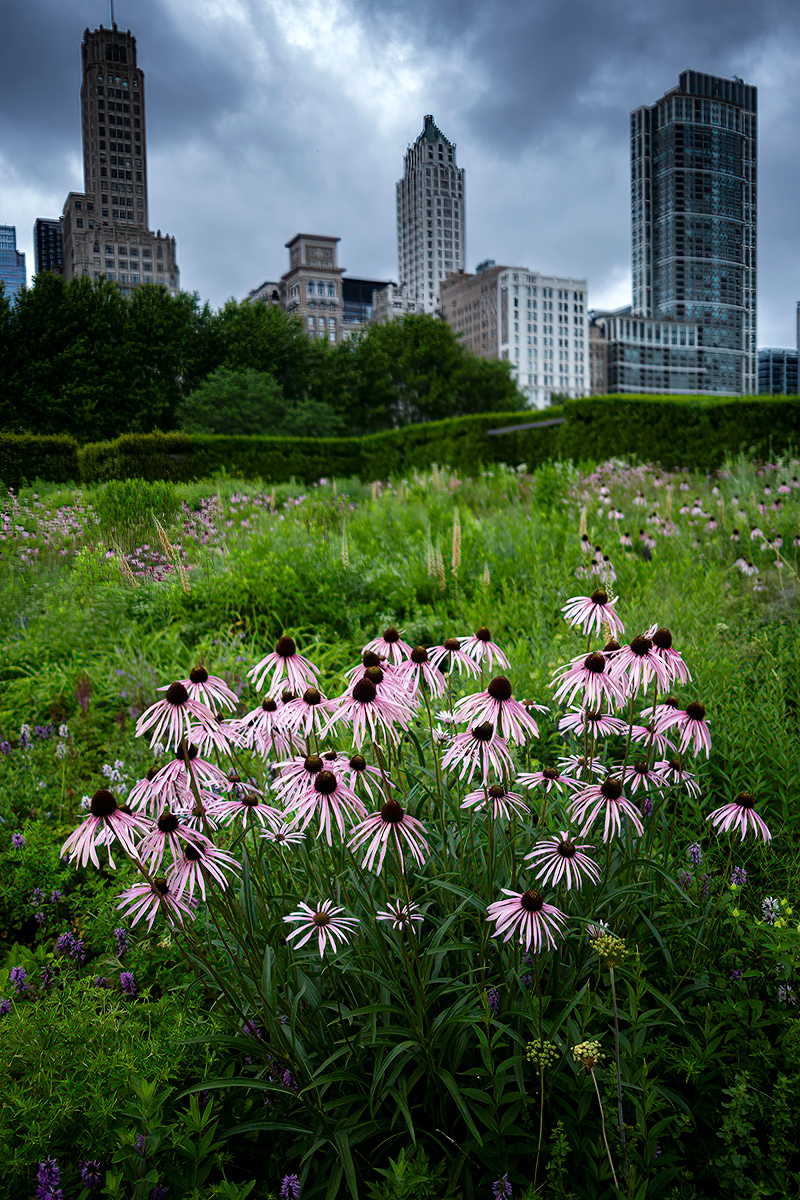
x=79 y=357
x=101 y=605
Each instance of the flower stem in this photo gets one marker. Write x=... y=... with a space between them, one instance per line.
x=603 y=1125
x=622 y=1136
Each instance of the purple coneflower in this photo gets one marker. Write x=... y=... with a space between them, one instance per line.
x=331 y=800
x=450 y=657
x=307 y=714
x=594 y=611
x=174 y=778
x=526 y=913
x=503 y=803
x=606 y=797
x=389 y=646
x=209 y=689
x=651 y=735
x=248 y=805
x=170 y=831
x=640 y=774
x=402 y=914
x=284 y=837
x=694 y=729
x=189 y=868
x=368 y=710
x=563 y=858
x=151 y=897
x=418 y=669
x=548 y=779
x=637 y=665
x=297 y=776
x=480 y=646
x=626 y=540
x=674 y=774
x=170 y=719
x=106 y=820
x=662 y=647
x=262 y=728
x=586 y=545
x=593 y=674
x=359 y=768
x=391 y=821
x=498 y=706
x=740 y=812
x=322 y=921
x=480 y=747
x=597 y=723
x=286 y=665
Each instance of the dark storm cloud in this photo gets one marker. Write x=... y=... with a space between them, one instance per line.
x=270 y=116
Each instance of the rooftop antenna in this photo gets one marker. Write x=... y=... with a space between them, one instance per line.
x=111 y=6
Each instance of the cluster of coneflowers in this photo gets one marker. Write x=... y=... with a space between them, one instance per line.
x=616 y=690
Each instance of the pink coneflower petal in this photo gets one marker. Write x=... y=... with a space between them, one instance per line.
x=170 y=719
x=591 y=720
x=498 y=706
x=637 y=665
x=307 y=714
x=390 y=646
x=370 y=777
x=694 y=730
x=479 y=748
x=368 y=710
x=196 y=860
x=402 y=914
x=287 y=666
x=418 y=670
x=548 y=779
x=170 y=831
x=263 y=730
x=651 y=735
x=392 y=822
x=561 y=857
x=673 y=774
x=332 y=801
x=322 y=921
x=107 y=820
x=250 y=807
x=741 y=814
x=284 y=838
x=592 y=612
x=482 y=648
x=155 y=897
x=640 y=774
x=606 y=798
x=450 y=657
x=676 y=668
x=591 y=674
x=209 y=689
x=539 y=925
x=502 y=802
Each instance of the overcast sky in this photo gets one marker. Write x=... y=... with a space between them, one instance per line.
x=271 y=117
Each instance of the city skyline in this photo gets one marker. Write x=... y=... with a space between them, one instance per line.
x=260 y=125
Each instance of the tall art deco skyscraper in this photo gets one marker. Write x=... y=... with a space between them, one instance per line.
x=693 y=213
x=431 y=226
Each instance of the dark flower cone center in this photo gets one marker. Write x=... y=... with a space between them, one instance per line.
x=269 y=705
x=452 y=644
x=285 y=647
x=599 y=597
x=102 y=804
x=312 y=696
x=590 y=715
x=611 y=645
x=550 y=773
x=391 y=635
x=191 y=852
x=313 y=764
x=483 y=634
x=496 y=791
x=358 y=763
x=594 y=663
x=611 y=789
x=671 y=702
x=186 y=753
x=199 y=675
x=364 y=691
x=151 y=774
x=532 y=901
x=374 y=675
x=125 y=808
x=176 y=694
x=499 y=688
x=662 y=639
x=287 y=695
x=370 y=659
x=641 y=646
x=331 y=755
x=675 y=764
x=695 y=711
x=168 y=823
x=325 y=783
x=419 y=656
x=483 y=733
x=641 y=767
x=161 y=886
x=392 y=813
x=321 y=918
x=745 y=800
x=566 y=849
x=250 y=799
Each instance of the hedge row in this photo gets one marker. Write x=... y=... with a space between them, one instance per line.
x=676 y=431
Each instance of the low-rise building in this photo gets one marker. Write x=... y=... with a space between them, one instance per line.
x=777 y=372
x=48 y=246
x=536 y=322
x=312 y=287
x=12 y=261
x=644 y=357
x=391 y=302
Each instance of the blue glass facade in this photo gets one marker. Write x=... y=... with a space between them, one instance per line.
x=777 y=372
x=12 y=261
x=693 y=221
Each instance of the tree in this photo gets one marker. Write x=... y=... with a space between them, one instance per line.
x=233 y=402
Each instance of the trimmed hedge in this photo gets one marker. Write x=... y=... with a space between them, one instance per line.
x=25 y=457
x=688 y=431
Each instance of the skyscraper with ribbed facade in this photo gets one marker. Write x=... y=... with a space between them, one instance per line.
x=693 y=218
x=431 y=225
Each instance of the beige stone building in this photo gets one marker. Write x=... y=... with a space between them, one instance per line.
x=535 y=322
x=598 y=359
x=312 y=287
x=105 y=227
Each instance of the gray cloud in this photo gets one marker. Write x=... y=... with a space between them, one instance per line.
x=266 y=117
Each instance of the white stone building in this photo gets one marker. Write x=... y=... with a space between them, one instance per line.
x=390 y=302
x=537 y=322
x=431 y=225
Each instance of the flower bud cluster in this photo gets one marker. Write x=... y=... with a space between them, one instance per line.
x=610 y=948
x=541 y=1053
x=588 y=1054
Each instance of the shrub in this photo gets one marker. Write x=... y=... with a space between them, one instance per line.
x=27 y=457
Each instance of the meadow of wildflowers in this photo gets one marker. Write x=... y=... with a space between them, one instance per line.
x=462 y=811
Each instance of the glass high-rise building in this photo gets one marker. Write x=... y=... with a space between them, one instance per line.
x=693 y=219
x=431 y=225
x=12 y=261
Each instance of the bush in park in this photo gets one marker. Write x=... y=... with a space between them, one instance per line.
x=460 y=937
